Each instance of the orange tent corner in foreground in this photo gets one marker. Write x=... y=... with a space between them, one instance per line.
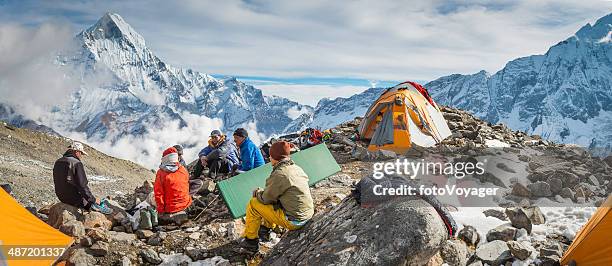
x=593 y=244
x=27 y=235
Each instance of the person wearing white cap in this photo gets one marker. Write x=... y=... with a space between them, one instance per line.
x=70 y=180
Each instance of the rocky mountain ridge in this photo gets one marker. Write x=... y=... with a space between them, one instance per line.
x=563 y=95
x=26 y=164
x=213 y=237
x=127 y=90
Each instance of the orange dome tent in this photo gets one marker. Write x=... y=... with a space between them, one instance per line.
x=20 y=228
x=403 y=115
x=593 y=244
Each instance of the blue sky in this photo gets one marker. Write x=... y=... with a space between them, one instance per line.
x=306 y=50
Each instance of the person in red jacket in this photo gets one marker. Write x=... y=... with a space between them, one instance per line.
x=171 y=186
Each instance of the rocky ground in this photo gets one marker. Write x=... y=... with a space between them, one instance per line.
x=533 y=175
x=27 y=158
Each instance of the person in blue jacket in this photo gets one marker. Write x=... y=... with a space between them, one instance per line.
x=250 y=155
x=219 y=156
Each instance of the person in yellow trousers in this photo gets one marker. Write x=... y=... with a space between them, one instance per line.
x=285 y=201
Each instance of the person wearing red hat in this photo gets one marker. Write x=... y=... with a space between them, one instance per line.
x=285 y=201
x=171 y=186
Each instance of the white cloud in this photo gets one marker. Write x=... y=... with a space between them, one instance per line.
x=150 y=97
x=294 y=113
x=383 y=40
x=309 y=94
x=147 y=149
x=30 y=81
x=256 y=137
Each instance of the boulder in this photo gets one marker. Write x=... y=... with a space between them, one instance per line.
x=491 y=178
x=568 y=178
x=535 y=215
x=593 y=180
x=118 y=218
x=505 y=167
x=125 y=261
x=144 y=234
x=121 y=237
x=99 y=249
x=454 y=252
x=336 y=181
x=197 y=254
x=383 y=155
x=503 y=232
x=469 y=235
x=149 y=255
x=80 y=257
x=98 y=234
x=608 y=160
x=567 y=193
x=346 y=141
x=519 y=219
x=555 y=185
x=216 y=260
x=397 y=231
x=146 y=188
x=85 y=241
x=539 y=189
x=519 y=250
x=520 y=190
x=157 y=239
x=94 y=219
x=548 y=261
x=73 y=228
x=583 y=191
x=550 y=254
x=336 y=147
x=494 y=253
x=495 y=213
x=195 y=236
x=61 y=213
x=476 y=263
x=118 y=228
x=551 y=249
x=361 y=154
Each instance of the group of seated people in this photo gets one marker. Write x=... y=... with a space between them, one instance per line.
x=285 y=201
x=223 y=157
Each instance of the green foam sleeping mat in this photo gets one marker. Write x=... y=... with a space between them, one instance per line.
x=317 y=162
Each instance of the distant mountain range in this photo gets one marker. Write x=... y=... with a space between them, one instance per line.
x=127 y=90
x=564 y=95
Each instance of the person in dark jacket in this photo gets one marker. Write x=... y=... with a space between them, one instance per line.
x=70 y=181
x=219 y=156
x=250 y=154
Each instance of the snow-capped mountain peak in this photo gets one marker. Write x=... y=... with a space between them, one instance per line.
x=596 y=32
x=112 y=26
x=133 y=90
x=564 y=95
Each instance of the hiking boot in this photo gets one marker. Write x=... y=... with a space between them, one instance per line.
x=249 y=245
x=179 y=218
x=102 y=208
x=264 y=234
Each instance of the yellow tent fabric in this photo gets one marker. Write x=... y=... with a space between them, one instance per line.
x=19 y=227
x=593 y=244
x=415 y=120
